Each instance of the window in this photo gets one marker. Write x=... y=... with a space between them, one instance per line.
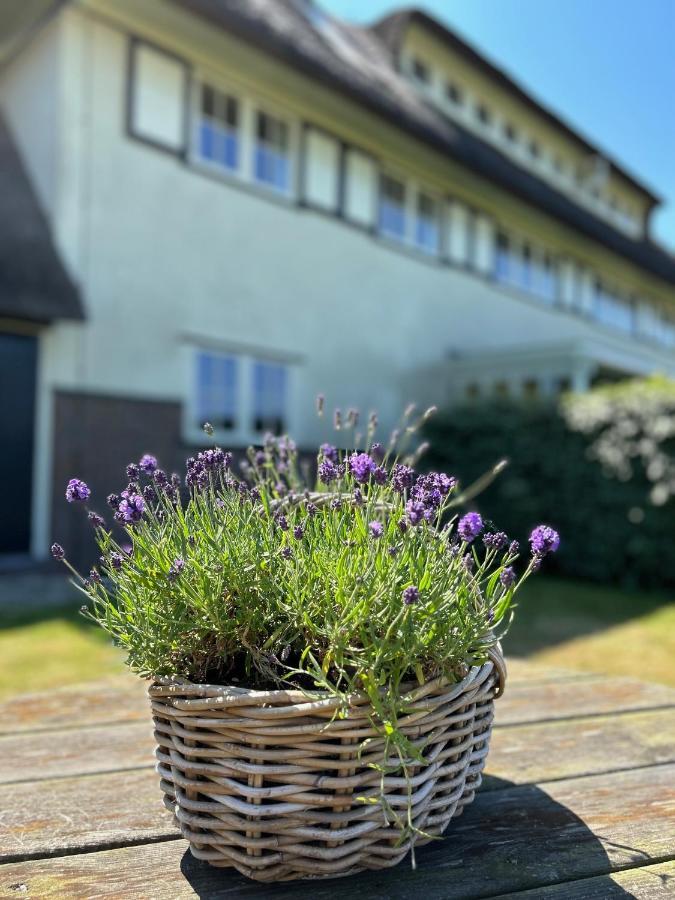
x=533 y=147
x=426 y=225
x=483 y=114
x=510 y=133
x=218 y=138
x=216 y=390
x=526 y=267
x=420 y=71
x=270 y=387
x=612 y=310
x=392 y=208
x=271 y=160
x=453 y=93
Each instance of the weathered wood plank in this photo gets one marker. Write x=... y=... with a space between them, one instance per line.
x=523 y=702
x=67 y=814
x=646 y=883
x=121 y=699
x=522 y=670
x=533 y=693
x=529 y=753
x=518 y=839
x=545 y=751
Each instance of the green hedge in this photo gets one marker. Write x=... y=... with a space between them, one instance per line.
x=600 y=468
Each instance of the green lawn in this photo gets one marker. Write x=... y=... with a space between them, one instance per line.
x=562 y=623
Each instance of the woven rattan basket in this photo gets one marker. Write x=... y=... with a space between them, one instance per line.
x=269 y=781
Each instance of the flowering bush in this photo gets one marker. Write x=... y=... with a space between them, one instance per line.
x=365 y=583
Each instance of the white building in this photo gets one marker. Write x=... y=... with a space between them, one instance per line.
x=213 y=209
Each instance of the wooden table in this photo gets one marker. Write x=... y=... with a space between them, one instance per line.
x=578 y=801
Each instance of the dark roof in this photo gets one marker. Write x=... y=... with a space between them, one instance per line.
x=358 y=63
x=392 y=30
x=34 y=285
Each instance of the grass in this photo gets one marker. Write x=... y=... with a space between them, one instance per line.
x=579 y=625
x=562 y=623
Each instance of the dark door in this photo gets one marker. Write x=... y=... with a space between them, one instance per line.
x=18 y=356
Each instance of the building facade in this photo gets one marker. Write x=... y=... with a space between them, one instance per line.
x=251 y=202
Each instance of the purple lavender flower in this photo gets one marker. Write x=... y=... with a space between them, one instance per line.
x=514 y=547
x=467 y=562
x=411 y=595
x=282 y=522
x=113 y=500
x=160 y=478
x=96 y=520
x=94 y=577
x=116 y=561
x=470 y=526
x=287 y=553
x=337 y=419
x=147 y=463
x=507 y=576
x=320 y=400
x=358 y=497
x=327 y=471
x=77 y=491
x=402 y=526
x=393 y=550
x=380 y=475
x=298 y=532
x=132 y=472
x=175 y=480
x=376 y=529
x=328 y=451
x=176 y=568
x=312 y=509
x=131 y=508
x=336 y=503
x=352 y=417
x=57 y=551
x=414 y=511
x=495 y=540
x=361 y=465
x=254 y=494
x=543 y=540
x=402 y=478
x=149 y=494
x=260 y=458
x=377 y=450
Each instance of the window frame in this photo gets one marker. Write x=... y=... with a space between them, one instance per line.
x=197 y=125
x=244 y=432
x=277 y=118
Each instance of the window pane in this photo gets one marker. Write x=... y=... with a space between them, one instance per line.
x=217 y=135
x=426 y=227
x=392 y=207
x=270 y=387
x=216 y=400
x=271 y=163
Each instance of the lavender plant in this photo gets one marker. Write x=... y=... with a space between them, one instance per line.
x=366 y=583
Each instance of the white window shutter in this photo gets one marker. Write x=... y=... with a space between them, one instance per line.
x=360 y=188
x=458 y=233
x=322 y=170
x=158 y=94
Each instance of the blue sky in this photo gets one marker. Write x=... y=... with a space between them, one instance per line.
x=606 y=66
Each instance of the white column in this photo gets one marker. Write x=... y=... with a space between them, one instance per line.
x=458 y=233
x=484 y=235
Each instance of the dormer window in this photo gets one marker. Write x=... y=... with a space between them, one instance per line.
x=453 y=93
x=420 y=71
x=483 y=114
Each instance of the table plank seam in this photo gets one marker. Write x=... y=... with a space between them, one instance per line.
x=628 y=867
x=58 y=852
x=15 y=781
x=548 y=720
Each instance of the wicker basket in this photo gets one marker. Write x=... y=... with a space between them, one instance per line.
x=269 y=781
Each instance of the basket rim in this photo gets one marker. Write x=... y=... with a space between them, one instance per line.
x=167 y=686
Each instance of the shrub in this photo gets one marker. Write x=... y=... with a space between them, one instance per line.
x=599 y=467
